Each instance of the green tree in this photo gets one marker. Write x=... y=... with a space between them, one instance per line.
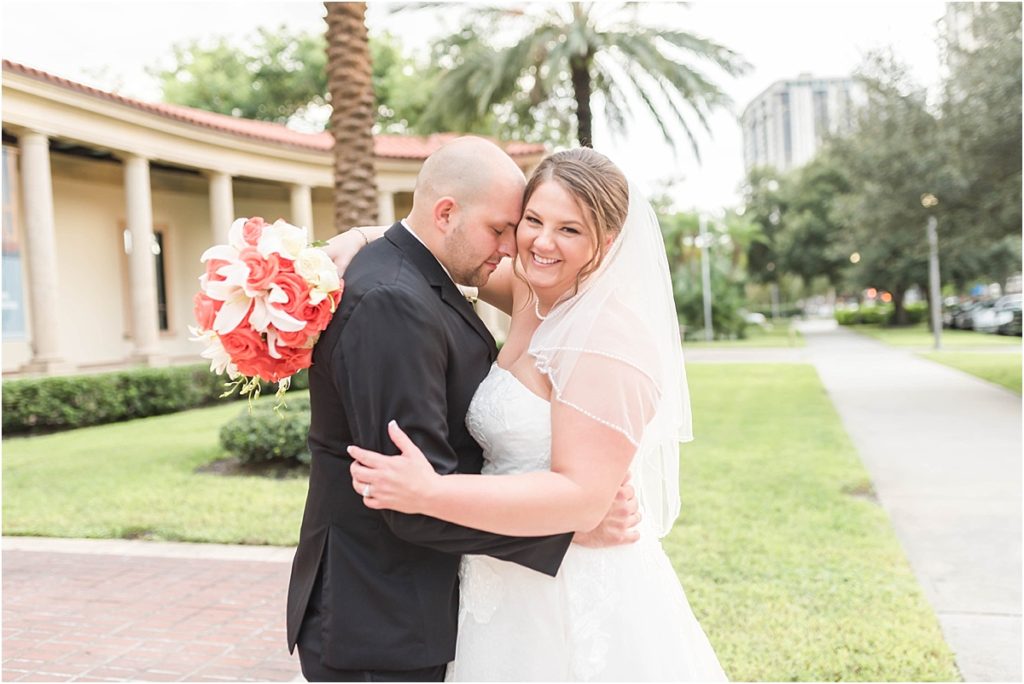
x=980 y=199
x=729 y=238
x=278 y=74
x=273 y=76
x=890 y=161
x=811 y=242
x=765 y=205
x=564 y=54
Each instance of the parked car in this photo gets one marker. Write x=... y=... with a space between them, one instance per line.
x=985 y=318
x=949 y=312
x=1008 y=310
x=964 y=318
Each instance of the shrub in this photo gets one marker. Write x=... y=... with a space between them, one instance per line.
x=882 y=314
x=262 y=435
x=35 y=405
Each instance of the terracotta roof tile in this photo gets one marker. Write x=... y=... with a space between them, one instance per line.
x=385 y=146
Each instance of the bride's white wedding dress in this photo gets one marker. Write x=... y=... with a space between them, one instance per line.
x=612 y=614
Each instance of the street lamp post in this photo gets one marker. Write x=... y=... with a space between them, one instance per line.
x=705 y=269
x=934 y=288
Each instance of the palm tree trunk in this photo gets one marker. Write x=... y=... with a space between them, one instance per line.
x=581 y=86
x=351 y=89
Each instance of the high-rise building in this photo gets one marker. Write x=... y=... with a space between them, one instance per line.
x=783 y=127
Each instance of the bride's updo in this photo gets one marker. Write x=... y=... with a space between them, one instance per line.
x=599 y=188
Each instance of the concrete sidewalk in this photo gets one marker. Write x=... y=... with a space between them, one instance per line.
x=944 y=452
x=84 y=610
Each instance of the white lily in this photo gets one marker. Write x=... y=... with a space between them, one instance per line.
x=265 y=314
x=220 y=361
x=235 y=234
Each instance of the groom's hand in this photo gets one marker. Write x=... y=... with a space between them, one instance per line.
x=619 y=524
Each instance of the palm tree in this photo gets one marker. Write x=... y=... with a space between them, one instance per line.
x=351 y=90
x=575 y=51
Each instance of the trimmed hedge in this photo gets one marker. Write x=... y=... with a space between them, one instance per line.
x=37 y=405
x=263 y=435
x=882 y=314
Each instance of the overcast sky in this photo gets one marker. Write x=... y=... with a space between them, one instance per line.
x=108 y=44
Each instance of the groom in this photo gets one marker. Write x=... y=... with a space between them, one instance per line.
x=373 y=595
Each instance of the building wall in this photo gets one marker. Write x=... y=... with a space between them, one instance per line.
x=784 y=126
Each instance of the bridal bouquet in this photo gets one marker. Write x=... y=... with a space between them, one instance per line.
x=262 y=303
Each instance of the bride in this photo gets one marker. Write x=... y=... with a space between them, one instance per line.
x=589 y=385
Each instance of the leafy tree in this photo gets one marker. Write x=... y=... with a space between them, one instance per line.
x=680 y=231
x=812 y=243
x=765 y=204
x=278 y=75
x=275 y=75
x=890 y=162
x=981 y=118
x=568 y=53
x=349 y=80
x=980 y=137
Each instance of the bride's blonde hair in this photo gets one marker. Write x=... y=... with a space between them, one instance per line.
x=599 y=188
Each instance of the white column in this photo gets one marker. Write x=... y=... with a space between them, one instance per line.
x=41 y=248
x=141 y=265
x=386 y=208
x=302 y=207
x=222 y=206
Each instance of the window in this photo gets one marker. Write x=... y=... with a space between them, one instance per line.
x=160 y=270
x=13 y=292
x=161 y=279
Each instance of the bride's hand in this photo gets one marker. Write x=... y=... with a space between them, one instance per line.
x=400 y=483
x=342 y=248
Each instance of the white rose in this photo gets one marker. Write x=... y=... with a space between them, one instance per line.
x=283 y=238
x=311 y=262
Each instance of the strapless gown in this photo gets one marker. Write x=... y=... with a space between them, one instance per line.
x=611 y=614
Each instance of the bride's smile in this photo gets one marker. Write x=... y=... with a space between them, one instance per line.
x=555 y=241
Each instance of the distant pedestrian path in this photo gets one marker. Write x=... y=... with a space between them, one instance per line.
x=944 y=452
x=116 y=610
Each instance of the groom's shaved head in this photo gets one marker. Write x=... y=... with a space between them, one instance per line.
x=468 y=170
x=467 y=203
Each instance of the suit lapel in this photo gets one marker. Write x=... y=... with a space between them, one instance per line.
x=428 y=265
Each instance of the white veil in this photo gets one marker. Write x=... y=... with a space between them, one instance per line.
x=613 y=352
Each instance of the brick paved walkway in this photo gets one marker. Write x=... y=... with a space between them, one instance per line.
x=75 y=610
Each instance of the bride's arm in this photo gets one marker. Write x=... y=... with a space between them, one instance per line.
x=343 y=247
x=498 y=292
x=589 y=462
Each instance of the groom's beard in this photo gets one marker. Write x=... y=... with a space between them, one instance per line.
x=466 y=267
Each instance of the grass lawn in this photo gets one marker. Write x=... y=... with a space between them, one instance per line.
x=781 y=335
x=792 y=569
x=921 y=336
x=1001 y=368
x=136 y=480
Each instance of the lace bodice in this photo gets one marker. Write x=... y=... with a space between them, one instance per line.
x=511 y=423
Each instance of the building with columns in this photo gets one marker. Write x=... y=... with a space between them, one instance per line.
x=109 y=202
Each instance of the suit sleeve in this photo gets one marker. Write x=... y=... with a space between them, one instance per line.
x=394 y=360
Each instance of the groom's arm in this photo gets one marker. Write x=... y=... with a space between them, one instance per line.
x=393 y=362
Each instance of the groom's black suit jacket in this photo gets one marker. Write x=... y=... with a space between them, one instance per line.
x=404 y=345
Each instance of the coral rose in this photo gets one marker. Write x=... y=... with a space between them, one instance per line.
x=243 y=344
x=262 y=270
x=296 y=289
x=252 y=230
x=205 y=310
x=211 y=270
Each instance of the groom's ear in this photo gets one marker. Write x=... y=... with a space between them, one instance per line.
x=445 y=210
